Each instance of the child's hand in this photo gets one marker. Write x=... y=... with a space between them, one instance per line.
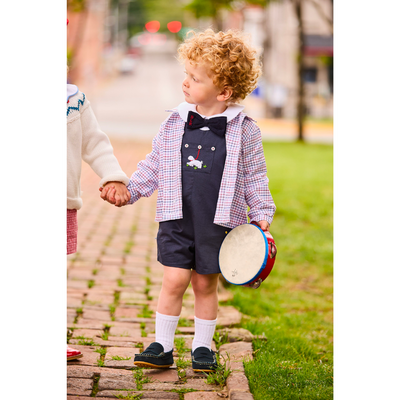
x=115 y=193
x=264 y=225
x=107 y=193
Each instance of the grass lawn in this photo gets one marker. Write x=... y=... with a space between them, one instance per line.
x=293 y=308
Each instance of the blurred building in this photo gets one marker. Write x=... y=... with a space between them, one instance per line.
x=85 y=41
x=93 y=41
x=281 y=53
x=274 y=33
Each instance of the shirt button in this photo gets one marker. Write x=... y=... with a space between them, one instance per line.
x=212 y=148
x=186 y=145
x=199 y=146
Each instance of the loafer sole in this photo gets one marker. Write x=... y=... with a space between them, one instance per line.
x=143 y=364
x=204 y=370
x=74 y=357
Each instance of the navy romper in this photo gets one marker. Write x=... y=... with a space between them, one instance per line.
x=194 y=241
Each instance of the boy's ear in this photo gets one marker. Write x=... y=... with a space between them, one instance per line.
x=225 y=94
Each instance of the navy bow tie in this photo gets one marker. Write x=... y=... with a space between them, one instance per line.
x=216 y=125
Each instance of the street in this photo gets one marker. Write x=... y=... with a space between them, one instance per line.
x=133 y=106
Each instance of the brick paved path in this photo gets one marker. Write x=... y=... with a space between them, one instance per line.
x=113 y=283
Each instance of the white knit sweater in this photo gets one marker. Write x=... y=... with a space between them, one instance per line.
x=86 y=141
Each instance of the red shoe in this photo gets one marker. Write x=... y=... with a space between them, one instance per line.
x=73 y=354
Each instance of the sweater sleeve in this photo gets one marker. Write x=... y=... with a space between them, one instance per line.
x=97 y=150
x=257 y=193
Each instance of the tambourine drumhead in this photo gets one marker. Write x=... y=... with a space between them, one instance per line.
x=243 y=254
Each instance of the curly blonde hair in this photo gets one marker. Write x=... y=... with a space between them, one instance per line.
x=233 y=63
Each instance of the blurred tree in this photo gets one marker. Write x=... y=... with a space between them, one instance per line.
x=328 y=19
x=74 y=43
x=136 y=16
x=76 y=5
x=209 y=8
x=164 y=11
x=130 y=15
x=298 y=8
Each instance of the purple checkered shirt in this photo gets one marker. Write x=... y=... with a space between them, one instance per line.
x=244 y=181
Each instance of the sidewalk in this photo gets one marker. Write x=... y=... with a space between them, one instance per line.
x=287 y=130
x=113 y=283
x=284 y=129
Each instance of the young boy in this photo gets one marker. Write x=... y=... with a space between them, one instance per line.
x=208 y=165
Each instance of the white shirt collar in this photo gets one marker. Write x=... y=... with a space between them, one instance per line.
x=231 y=112
x=71 y=90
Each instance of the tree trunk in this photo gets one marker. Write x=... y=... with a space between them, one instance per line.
x=321 y=13
x=300 y=70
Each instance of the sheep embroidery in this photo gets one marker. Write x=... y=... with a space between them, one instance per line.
x=194 y=163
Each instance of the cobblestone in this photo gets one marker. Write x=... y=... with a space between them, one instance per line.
x=237 y=381
x=88 y=333
x=203 y=396
x=241 y=396
x=79 y=386
x=237 y=351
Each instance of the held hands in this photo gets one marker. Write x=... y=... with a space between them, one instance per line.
x=115 y=193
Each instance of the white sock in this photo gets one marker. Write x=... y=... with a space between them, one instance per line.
x=203 y=333
x=165 y=330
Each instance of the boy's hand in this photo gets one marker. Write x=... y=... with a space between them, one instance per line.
x=264 y=225
x=115 y=193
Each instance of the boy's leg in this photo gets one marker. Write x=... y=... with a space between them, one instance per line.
x=206 y=308
x=159 y=353
x=175 y=283
x=206 y=296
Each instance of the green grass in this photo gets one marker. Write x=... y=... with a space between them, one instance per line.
x=84 y=341
x=292 y=308
x=185 y=322
x=140 y=378
x=180 y=345
x=220 y=374
x=128 y=246
x=220 y=339
x=90 y=283
x=118 y=358
x=146 y=312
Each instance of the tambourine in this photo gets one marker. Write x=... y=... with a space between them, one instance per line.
x=247 y=255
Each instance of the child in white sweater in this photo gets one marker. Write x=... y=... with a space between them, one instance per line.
x=85 y=141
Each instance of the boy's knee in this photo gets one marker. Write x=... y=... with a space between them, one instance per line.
x=204 y=285
x=175 y=285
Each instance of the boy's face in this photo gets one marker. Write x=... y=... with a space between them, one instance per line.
x=199 y=88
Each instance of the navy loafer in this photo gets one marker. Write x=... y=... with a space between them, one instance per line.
x=154 y=357
x=204 y=360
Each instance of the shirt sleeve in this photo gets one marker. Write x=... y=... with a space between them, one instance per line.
x=97 y=150
x=257 y=194
x=144 y=181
